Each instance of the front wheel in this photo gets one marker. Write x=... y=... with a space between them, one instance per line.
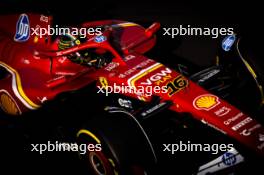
x=243 y=62
x=117 y=145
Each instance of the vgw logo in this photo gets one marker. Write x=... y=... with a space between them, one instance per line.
x=158 y=78
x=22 y=29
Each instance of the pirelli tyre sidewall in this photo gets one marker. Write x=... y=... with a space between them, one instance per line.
x=124 y=146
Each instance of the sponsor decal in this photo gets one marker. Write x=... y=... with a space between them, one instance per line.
x=22 y=29
x=217 y=165
x=261 y=137
x=125 y=103
x=206 y=102
x=42 y=99
x=228 y=42
x=137 y=67
x=129 y=57
x=212 y=126
x=149 y=111
x=103 y=81
x=232 y=119
x=222 y=111
x=100 y=39
x=261 y=146
x=62 y=59
x=176 y=85
x=229 y=159
x=131 y=81
x=111 y=66
x=247 y=132
x=209 y=75
x=242 y=123
x=159 y=77
x=142 y=73
x=8 y=104
x=44 y=18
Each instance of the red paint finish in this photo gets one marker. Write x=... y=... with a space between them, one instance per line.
x=38 y=71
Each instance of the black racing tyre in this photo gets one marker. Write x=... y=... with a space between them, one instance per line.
x=123 y=147
x=250 y=54
x=245 y=64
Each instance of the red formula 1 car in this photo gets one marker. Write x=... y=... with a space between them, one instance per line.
x=151 y=101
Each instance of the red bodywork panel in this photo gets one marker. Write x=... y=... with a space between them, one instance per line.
x=37 y=71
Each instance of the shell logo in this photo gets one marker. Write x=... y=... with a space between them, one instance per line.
x=206 y=102
x=8 y=104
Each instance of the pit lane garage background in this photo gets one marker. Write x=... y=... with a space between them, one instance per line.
x=245 y=17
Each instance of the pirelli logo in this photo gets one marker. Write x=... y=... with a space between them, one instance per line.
x=242 y=123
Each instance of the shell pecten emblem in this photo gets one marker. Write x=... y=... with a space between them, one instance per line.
x=206 y=102
x=8 y=104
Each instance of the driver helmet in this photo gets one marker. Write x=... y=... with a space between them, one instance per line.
x=81 y=57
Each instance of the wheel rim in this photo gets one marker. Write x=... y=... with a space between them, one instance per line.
x=98 y=160
x=97 y=163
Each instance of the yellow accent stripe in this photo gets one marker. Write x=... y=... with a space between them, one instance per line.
x=217 y=60
x=253 y=73
x=144 y=74
x=261 y=94
x=19 y=86
x=85 y=131
x=250 y=69
x=113 y=164
x=142 y=98
x=127 y=24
